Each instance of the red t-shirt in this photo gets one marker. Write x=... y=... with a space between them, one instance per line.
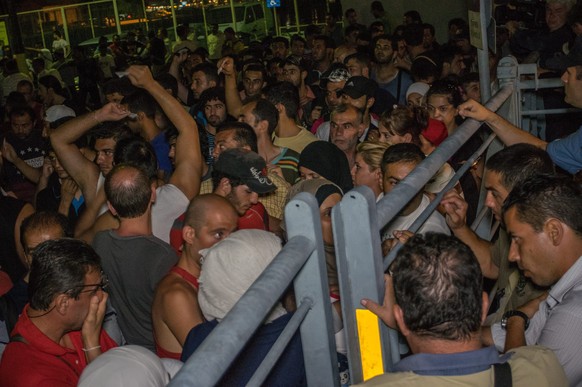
x=42 y=362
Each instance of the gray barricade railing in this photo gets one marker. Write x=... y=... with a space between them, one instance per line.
x=357 y=222
x=302 y=260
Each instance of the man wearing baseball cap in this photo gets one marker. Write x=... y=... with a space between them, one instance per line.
x=240 y=176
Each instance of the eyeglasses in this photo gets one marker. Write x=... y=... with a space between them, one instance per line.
x=101 y=285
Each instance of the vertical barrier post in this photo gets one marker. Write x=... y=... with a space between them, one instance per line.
x=319 y=353
x=359 y=261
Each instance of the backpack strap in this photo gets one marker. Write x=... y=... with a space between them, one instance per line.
x=502 y=375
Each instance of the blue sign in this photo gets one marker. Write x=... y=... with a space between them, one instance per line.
x=273 y=3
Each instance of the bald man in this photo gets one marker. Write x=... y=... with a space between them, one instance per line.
x=133 y=259
x=209 y=219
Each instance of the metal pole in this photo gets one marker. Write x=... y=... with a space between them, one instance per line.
x=483 y=55
x=65 y=27
x=296 y=15
x=41 y=29
x=91 y=20
x=174 y=22
x=145 y=14
x=277 y=32
x=277 y=349
x=205 y=25
x=233 y=15
x=117 y=24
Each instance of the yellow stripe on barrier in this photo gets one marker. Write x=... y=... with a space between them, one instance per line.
x=370 y=348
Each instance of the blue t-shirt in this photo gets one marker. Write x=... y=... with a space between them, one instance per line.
x=162 y=149
x=566 y=152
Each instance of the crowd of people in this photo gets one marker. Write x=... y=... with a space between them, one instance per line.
x=139 y=203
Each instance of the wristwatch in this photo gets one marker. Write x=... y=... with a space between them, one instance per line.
x=511 y=313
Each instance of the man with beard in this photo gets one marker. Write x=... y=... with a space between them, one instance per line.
x=213 y=104
x=24 y=150
x=385 y=73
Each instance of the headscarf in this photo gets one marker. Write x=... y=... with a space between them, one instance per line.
x=127 y=366
x=329 y=162
x=321 y=189
x=230 y=267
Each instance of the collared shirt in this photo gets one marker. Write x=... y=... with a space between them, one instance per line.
x=530 y=366
x=558 y=324
x=462 y=363
x=41 y=361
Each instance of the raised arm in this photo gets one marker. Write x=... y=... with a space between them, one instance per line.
x=177 y=60
x=83 y=171
x=31 y=173
x=233 y=102
x=456 y=217
x=508 y=133
x=188 y=172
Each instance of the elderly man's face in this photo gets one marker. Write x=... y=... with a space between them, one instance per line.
x=556 y=15
x=345 y=129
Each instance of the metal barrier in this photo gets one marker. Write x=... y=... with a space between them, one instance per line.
x=302 y=261
x=357 y=222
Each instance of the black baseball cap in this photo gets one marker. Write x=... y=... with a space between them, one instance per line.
x=247 y=166
x=358 y=86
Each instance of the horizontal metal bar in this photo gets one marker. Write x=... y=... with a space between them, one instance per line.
x=277 y=349
x=549 y=111
x=221 y=347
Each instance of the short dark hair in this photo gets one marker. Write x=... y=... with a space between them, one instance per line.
x=351 y=28
x=24 y=82
x=402 y=153
x=59 y=266
x=425 y=66
x=243 y=134
x=51 y=82
x=211 y=94
x=141 y=101
x=348 y=11
x=518 y=162
x=281 y=39
x=297 y=38
x=265 y=110
x=22 y=110
x=136 y=151
x=438 y=285
x=113 y=130
x=44 y=220
x=209 y=70
x=286 y=94
x=312 y=29
x=392 y=38
x=540 y=197
x=414 y=15
x=361 y=57
x=129 y=197
x=254 y=66
x=430 y=27
x=329 y=43
x=413 y=34
x=377 y=5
